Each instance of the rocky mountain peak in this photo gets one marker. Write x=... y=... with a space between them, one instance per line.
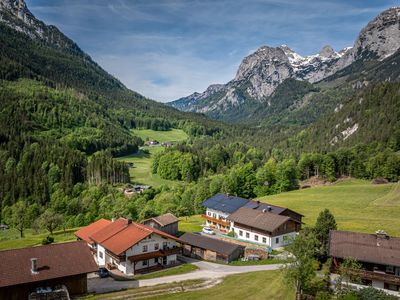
x=381 y=37
x=261 y=72
x=327 y=51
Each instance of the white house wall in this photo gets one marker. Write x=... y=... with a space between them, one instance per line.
x=271 y=241
x=216 y=213
x=101 y=256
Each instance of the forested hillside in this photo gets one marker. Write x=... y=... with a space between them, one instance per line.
x=64 y=120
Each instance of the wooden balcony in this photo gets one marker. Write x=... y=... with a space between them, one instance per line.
x=217 y=221
x=154 y=254
x=370 y=275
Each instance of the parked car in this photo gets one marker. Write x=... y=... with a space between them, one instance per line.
x=208 y=230
x=103 y=273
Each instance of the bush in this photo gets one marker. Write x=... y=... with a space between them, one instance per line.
x=323 y=295
x=370 y=293
x=231 y=233
x=48 y=240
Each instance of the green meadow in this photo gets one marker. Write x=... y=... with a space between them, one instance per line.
x=356 y=204
x=141 y=173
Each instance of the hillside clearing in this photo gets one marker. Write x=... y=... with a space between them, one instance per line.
x=357 y=205
x=141 y=173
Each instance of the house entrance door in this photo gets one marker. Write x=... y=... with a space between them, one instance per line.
x=164 y=260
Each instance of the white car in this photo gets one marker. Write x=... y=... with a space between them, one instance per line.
x=208 y=230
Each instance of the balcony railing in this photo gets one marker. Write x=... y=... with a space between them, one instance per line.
x=370 y=275
x=215 y=220
x=155 y=254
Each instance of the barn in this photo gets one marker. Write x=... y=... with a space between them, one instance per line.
x=202 y=247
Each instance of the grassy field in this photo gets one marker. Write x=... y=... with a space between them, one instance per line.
x=190 y=224
x=141 y=173
x=254 y=286
x=173 y=135
x=357 y=205
x=9 y=239
x=182 y=269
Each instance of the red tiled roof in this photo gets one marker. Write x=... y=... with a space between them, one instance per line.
x=119 y=236
x=87 y=231
x=53 y=261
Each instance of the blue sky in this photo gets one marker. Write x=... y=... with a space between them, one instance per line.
x=169 y=49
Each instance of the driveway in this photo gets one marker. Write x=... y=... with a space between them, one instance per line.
x=206 y=270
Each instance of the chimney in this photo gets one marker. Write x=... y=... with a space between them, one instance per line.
x=381 y=234
x=269 y=208
x=113 y=220
x=129 y=221
x=34 y=265
x=264 y=210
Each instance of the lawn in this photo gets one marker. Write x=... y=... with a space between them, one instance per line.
x=173 y=135
x=190 y=224
x=254 y=286
x=182 y=269
x=357 y=205
x=9 y=239
x=141 y=173
x=270 y=261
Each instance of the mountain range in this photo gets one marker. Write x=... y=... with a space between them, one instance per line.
x=254 y=92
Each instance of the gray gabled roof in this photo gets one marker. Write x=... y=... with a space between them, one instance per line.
x=258 y=219
x=208 y=243
x=225 y=203
x=165 y=219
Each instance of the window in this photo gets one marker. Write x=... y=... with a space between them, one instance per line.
x=209 y=213
x=156 y=260
x=264 y=240
x=101 y=254
x=284 y=226
x=156 y=246
x=144 y=248
x=247 y=235
x=277 y=240
x=164 y=245
x=256 y=237
x=214 y=215
x=389 y=269
x=144 y=263
x=240 y=232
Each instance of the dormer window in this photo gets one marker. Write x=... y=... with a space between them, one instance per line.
x=144 y=248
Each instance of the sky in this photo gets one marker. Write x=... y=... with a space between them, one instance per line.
x=169 y=49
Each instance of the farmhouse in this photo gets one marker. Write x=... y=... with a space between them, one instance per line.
x=133 y=248
x=47 y=270
x=212 y=249
x=167 y=223
x=252 y=221
x=378 y=254
x=263 y=227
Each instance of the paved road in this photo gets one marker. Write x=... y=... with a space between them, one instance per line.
x=206 y=270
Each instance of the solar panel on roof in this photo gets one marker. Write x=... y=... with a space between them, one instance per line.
x=225 y=203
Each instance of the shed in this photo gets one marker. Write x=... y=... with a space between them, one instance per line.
x=202 y=247
x=167 y=223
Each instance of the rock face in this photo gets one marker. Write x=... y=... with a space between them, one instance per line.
x=15 y=14
x=263 y=71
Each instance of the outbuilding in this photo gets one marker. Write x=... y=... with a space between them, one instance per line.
x=203 y=247
x=167 y=223
x=51 y=271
